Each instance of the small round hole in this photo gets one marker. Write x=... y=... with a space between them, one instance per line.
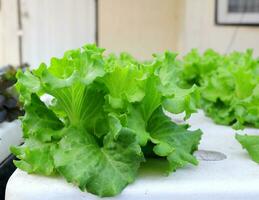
x=206 y=155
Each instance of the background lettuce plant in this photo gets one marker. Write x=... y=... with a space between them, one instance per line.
x=229 y=87
x=107 y=115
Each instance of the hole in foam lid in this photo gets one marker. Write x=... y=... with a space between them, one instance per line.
x=206 y=155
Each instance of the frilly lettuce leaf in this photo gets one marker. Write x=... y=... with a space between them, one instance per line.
x=103 y=169
x=173 y=141
x=104 y=111
x=178 y=99
x=35 y=156
x=251 y=144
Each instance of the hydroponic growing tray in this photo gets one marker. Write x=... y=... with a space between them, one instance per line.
x=10 y=134
x=225 y=172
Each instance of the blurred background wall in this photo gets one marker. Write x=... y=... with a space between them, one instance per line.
x=35 y=30
x=9 y=44
x=143 y=27
x=199 y=30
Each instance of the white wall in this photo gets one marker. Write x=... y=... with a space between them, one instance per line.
x=140 y=27
x=49 y=28
x=199 y=30
x=52 y=27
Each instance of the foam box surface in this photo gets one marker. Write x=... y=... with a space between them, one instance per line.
x=225 y=172
x=10 y=134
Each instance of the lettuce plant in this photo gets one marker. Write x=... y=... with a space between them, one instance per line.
x=229 y=85
x=106 y=116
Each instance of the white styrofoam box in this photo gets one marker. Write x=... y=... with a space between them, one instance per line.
x=233 y=178
x=10 y=134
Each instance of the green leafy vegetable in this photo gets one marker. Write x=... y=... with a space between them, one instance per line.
x=173 y=141
x=251 y=144
x=104 y=113
x=229 y=85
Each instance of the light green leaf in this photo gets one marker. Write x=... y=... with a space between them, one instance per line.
x=173 y=141
x=251 y=144
x=36 y=157
x=102 y=170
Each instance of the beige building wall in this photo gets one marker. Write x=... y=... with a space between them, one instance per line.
x=9 y=30
x=143 y=27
